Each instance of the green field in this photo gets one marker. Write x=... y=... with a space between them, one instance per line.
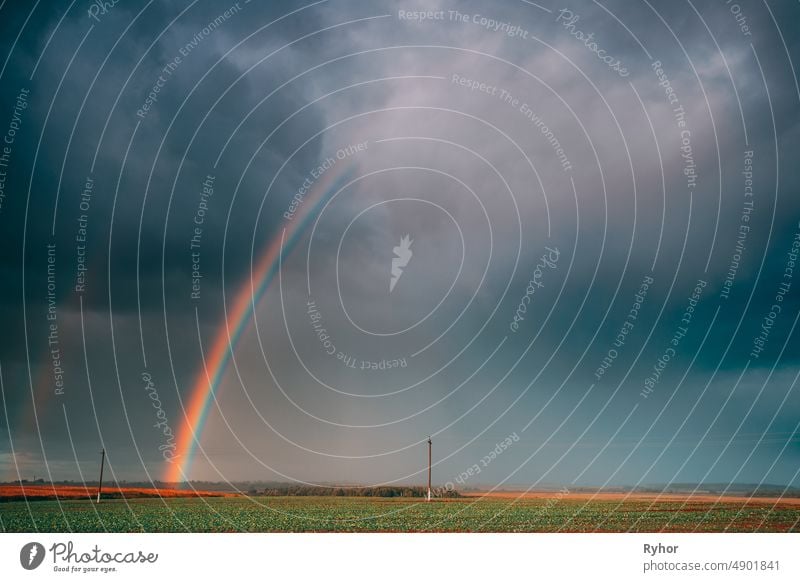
x=327 y=514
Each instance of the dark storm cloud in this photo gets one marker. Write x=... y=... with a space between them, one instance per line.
x=79 y=116
x=623 y=224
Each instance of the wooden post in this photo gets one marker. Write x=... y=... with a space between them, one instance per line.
x=429 y=467
x=102 y=462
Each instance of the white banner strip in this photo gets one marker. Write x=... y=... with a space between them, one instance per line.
x=353 y=557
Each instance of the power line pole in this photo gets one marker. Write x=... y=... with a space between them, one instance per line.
x=430 y=445
x=102 y=462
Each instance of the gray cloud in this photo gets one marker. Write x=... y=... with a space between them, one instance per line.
x=483 y=160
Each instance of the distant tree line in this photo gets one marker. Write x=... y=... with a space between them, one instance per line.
x=274 y=489
x=311 y=490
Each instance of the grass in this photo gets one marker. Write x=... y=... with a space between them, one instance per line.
x=327 y=514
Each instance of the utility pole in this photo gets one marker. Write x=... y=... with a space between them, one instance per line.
x=102 y=462
x=430 y=445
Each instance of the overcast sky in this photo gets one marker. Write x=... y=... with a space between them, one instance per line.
x=600 y=200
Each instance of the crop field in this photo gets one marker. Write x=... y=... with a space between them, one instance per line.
x=348 y=514
x=40 y=492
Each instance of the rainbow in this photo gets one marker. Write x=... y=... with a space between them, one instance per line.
x=240 y=314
